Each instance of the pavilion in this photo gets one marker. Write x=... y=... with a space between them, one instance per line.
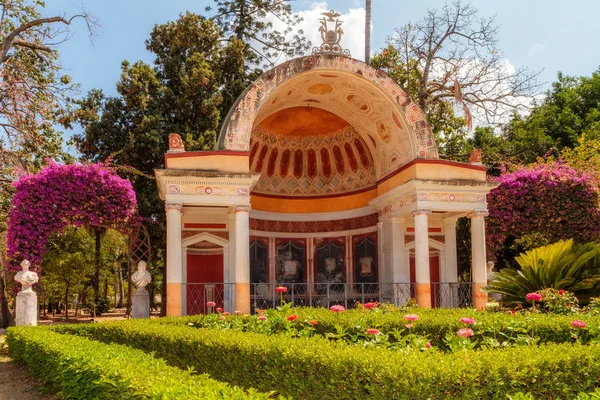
x=326 y=180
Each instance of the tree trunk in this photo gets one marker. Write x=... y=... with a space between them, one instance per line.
x=129 y=291
x=106 y=288
x=242 y=26
x=96 y=281
x=368 y=31
x=5 y=314
x=67 y=302
x=121 y=288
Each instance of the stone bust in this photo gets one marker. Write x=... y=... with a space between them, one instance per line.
x=141 y=277
x=26 y=277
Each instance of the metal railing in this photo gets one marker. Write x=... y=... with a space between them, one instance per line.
x=265 y=295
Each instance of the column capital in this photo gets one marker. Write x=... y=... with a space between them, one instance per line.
x=242 y=209
x=173 y=206
x=478 y=213
x=420 y=212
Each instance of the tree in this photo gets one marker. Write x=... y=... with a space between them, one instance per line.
x=452 y=57
x=539 y=205
x=33 y=98
x=585 y=156
x=194 y=70
x=569 y=110
x=249 y=22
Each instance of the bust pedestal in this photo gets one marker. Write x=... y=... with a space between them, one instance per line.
x=141 y=304
x=26 y=308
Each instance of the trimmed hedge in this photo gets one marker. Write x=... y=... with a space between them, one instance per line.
x=318 y=369
x=433 y=323
x=79 y=368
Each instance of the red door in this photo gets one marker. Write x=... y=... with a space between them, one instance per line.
x=204 y=282
x=434 y=278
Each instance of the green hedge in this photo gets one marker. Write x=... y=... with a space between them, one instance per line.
x=79 y=368
x=433 y=323
x=318 y=369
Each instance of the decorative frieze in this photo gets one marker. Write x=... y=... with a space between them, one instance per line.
x=314 y=226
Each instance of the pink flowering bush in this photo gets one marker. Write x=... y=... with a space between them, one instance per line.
x=62 y=195
x=373 y=331
x=554 y=201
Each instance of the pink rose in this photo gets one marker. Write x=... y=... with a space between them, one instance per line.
x=411 y=317
x=373 y=331
x=577 y=323
x=468 y=321
x=533 y=297
x=465 y=332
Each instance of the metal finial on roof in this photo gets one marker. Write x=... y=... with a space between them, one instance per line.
x=331 y=32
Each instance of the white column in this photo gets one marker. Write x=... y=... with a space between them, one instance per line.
x=242 y=259
x=422 y=258
x=478 y=258
x=451 y=273
x=174 y=256
x=231 y=260
x=400 y=270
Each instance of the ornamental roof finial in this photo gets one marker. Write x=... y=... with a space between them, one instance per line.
x=331 y=33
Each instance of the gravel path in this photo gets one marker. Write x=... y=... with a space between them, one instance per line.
x=16 y=383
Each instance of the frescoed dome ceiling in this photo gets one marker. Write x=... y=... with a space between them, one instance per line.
x=307 y=151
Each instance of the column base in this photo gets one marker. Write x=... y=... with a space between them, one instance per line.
x=26 y=309
x=141 y=304
x=480 y=297
x=424 y=295
x=174 y=300
x=242 y=297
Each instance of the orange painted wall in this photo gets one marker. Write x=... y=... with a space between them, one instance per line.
x=312 y=205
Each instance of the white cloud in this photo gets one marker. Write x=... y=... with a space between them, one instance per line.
x=353 y=26
x=536 y=48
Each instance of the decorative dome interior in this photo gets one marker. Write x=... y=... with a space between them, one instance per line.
x=307 y=151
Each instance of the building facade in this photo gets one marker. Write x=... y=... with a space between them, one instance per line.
x=326 y=180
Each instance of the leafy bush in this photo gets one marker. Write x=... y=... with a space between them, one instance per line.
x=79 y=368
x=315 y=368
x=562 y=265
x=491 y=329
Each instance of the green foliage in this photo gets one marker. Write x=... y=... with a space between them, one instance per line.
x=78 y=368
x=316 y=368
x=562 y=265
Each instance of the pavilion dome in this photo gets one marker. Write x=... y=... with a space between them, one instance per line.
x=307 y=151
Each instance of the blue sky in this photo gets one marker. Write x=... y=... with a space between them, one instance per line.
x=554 y=35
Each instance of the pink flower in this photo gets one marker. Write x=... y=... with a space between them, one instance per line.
x=368 y=306
x=533 y=297
x=577 y=323
x=262 y=318
x=465 y=332
x=337 y=308
x=373 y=331
x=281 y=289
x=292 y=317
x=411 y=317
x=219 y=310
x=513 y=312
x=561 y=292
x=210 y=304
x=313 y=322
x=408 y=326
x=238 y=312
x=468 y=321
x=428 y=345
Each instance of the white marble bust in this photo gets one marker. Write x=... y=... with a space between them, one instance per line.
x=141 y=277
x=26 y=277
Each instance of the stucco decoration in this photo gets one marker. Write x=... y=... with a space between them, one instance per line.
x=392 y=125
x=294 y=161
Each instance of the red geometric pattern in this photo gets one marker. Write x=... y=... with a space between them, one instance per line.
x=263 y=225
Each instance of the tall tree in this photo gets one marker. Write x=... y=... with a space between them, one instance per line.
x=194 y=69
x=452 y=56
x=33 y=98
x=367 y=31
x=251 y=22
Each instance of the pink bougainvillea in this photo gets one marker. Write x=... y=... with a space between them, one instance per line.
x=554 y=200
x=62 y=195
